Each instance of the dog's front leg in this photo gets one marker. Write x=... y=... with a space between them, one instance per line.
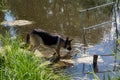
x=30 y=47
x=58 y=54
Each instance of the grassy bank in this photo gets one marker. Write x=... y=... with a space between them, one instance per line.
x=19 y=64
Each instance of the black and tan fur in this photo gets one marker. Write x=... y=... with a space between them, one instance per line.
x=38 y=36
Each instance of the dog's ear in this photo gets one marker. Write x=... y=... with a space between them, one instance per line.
x=67 y=38
x=71 y=40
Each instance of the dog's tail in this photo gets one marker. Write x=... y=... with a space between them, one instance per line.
x=28 y=38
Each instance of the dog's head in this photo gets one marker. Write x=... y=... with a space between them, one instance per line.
x=68 y=44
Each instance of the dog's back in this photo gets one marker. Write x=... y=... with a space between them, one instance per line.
x=47 y=38
x=38 y=36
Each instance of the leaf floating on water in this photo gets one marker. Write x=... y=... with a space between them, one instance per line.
x=17 y=23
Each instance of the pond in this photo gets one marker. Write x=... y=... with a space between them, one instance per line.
x=63 y=17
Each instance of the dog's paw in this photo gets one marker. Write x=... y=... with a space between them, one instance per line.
x=54 y=60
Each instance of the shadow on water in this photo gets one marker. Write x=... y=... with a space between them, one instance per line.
x=62 y=17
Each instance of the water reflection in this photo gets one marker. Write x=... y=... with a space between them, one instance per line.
x=59 y=16
x=9 y=17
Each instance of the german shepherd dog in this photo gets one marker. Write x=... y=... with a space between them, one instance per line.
x=38 y=36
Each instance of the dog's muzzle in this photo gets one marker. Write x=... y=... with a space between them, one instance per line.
x=69 y=48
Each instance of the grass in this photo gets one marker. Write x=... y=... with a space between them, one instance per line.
x=19 y=64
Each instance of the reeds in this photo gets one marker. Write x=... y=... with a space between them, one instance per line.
x=19 y=64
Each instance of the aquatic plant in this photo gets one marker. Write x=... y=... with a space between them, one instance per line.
x=95 y=76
